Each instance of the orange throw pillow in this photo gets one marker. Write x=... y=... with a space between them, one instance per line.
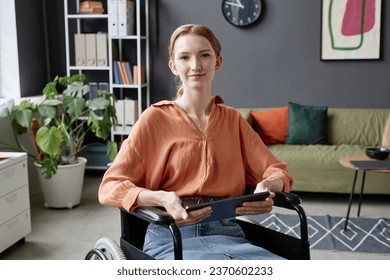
x=272 y=125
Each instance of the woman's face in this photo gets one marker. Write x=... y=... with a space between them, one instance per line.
x=194 y=61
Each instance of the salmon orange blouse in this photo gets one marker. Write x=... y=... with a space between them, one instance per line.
x=166 y=151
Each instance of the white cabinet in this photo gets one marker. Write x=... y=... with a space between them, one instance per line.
x=15 y=220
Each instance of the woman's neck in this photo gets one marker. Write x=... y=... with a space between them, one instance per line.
x=195 y=105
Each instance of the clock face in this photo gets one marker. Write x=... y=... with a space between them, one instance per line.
x=241 y=12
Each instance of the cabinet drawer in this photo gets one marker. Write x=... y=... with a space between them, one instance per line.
x=14 y=203
x=13 y=177
x=14 y=230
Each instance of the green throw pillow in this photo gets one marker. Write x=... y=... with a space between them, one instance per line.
x=307 y=124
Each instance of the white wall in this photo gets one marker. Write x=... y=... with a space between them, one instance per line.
x=9 y=60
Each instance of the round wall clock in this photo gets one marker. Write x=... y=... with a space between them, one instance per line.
x=241 y=12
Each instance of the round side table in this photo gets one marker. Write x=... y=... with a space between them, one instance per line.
x=373 y=165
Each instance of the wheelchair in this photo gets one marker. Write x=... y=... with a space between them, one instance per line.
x=134 y=225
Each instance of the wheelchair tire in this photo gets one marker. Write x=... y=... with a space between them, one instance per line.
x=95 y=254
x=109 y=248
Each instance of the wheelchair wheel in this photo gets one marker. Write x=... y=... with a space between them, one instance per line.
x=106 y=249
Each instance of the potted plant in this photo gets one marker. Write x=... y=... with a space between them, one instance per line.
x=57 y=127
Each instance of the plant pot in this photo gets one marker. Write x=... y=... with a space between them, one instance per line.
x=64 y=189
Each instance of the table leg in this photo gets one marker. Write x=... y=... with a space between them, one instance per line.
x=350 y=198
x=361 y=192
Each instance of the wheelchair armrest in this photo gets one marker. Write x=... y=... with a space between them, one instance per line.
x=286 y=200
x=153 y=215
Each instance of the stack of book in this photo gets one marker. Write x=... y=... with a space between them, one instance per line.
x=91 y=7
x=122 y=72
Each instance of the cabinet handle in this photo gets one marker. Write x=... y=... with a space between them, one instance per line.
x=11 y=225
x=11 y=198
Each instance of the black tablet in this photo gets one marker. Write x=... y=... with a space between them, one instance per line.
x=226 y=208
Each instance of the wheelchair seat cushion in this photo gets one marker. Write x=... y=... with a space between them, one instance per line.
x=217 y=240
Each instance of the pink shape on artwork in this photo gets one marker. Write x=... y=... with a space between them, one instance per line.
x=353 y=17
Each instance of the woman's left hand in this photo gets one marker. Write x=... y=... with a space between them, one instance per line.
x=260 y=207
x=256 y=207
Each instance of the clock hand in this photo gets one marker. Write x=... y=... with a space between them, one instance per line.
x=235 y=4
x=239 y=3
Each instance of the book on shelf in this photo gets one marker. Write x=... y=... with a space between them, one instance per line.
x=93 y=90
x=91 y=4
x=125 y=17
x=126 y=114
x=112 y=11
x=90 y=48
x=129 y=72
x=101 y=49
x=123 y=72
x=91 y=7
x=92 y=11
x=136 y=77
x=117 y=74
x=104 y=86
x=79 y=49
x=131 y=111
x=120 y=112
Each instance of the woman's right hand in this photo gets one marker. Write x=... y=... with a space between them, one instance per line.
x=172 y=204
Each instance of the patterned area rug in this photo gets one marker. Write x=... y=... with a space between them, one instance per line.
x=367 y=235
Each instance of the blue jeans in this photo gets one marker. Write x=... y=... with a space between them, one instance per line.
x=217 y=240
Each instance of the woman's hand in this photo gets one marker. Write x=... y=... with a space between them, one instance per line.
x=272 y=185
x=256 y=207
x=172 y=204
x=195 y=216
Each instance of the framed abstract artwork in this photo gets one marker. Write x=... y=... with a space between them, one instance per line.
x=350 y=29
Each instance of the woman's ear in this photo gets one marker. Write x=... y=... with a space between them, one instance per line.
x=218 y=63
x=172 y=66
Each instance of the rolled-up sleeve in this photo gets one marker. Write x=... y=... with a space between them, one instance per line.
x=260 y=162
x=120 y=183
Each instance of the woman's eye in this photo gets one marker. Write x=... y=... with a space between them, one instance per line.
x=183 y=57
x=205 y=55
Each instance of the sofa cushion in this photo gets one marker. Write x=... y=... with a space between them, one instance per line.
x=356 y=126
x=271 y=125
x=307 y=124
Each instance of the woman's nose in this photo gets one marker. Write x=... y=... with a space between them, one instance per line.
x=195 y=65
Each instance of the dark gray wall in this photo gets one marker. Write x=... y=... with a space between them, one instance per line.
x=275 y=61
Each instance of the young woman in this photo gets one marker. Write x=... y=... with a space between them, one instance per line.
x=193 y=148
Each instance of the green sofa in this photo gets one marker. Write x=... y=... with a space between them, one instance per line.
x=316 y=168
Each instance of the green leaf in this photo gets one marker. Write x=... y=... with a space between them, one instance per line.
x=50 y=90
x=50 y=167
x=98 y=103
x=6 y=108
x=49 y=140
x=74 y=106
x=18 y=129
x=23 y=118
x=25 y=104
x=102 y=128
x=65 y=81
x=112 y=149
x=76 y=89
x=48 y=111
x=52 y=102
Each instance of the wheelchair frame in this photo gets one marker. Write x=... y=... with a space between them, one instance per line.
x=134 y=225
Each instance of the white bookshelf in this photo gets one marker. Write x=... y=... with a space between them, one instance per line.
x=139 y=41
